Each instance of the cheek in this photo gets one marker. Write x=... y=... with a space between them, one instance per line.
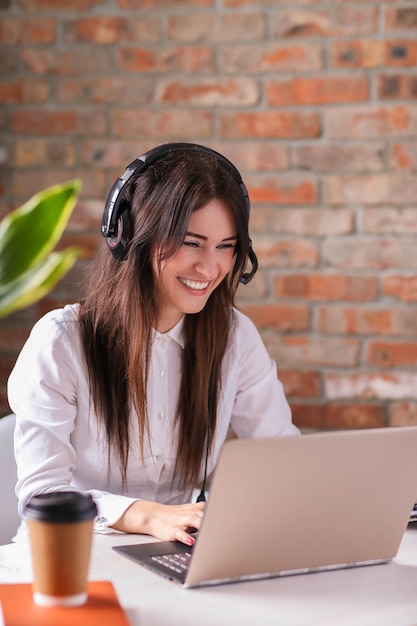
x=227 y=263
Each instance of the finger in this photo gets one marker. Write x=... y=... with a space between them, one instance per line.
x=184 y=537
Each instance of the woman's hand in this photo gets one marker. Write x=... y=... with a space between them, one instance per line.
x=166 y=522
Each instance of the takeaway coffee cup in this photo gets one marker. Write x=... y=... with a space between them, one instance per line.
x=60 y=529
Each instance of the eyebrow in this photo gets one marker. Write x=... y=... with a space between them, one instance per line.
x=188 y=234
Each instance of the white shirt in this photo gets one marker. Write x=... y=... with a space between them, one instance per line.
x=59 y=444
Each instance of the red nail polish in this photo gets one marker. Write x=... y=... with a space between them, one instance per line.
x=190 y=541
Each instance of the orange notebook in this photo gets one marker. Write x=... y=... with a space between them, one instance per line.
x=101 y=609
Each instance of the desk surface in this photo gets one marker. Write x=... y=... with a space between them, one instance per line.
x=383 y=595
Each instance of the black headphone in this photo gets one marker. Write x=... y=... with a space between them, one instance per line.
x=115 y=225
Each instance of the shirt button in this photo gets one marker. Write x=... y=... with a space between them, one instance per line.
x=161 y=373
x=161 y=415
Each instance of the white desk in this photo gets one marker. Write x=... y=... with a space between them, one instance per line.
x=379 y=595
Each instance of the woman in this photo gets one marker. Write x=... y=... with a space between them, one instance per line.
x=130 y=394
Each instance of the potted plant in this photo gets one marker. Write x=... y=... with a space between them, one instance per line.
x=29 y=266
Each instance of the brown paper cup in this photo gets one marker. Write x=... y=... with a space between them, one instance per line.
x=61 y=539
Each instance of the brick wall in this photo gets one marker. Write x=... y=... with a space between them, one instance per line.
x=314 y=101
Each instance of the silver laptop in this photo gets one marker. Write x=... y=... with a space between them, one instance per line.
x=296 y=505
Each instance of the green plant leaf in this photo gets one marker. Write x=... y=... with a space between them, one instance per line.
x=37 y=282
x=29 y=233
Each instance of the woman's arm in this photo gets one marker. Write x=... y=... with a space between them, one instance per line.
x=260 y=408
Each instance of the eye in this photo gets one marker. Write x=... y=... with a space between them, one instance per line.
x=191 y=244
x=227 y=246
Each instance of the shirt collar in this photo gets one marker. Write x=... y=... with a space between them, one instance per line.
x=176 y=333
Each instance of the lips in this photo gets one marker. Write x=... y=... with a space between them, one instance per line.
x=195 y=285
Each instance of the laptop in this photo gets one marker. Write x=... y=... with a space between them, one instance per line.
x=295 y=505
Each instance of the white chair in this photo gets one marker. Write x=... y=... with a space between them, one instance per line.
x=9 y=518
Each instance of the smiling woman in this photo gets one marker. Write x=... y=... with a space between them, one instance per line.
x=144 y=377
x=189 y=277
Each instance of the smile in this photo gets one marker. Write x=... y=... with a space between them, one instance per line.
x=194 y=284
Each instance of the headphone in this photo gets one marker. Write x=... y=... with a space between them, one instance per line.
x=115 y=225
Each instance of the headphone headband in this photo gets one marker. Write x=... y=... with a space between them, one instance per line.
x=115 y=224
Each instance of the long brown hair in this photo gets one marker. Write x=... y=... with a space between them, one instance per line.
x=119 y=312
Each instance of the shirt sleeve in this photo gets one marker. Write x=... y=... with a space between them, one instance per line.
x=260 y=407
x=42 y=392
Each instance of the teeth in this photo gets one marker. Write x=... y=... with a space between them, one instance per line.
x=194 y=284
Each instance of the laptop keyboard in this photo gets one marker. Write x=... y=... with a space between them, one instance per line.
x=178 y=563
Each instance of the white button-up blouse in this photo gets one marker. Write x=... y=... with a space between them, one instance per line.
x=60 y=445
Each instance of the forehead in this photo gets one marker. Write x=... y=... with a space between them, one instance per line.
x=215 y=219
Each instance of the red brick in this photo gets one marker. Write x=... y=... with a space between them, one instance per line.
x=261 y=156
x=386 y=385
x=370 y=122
x=270 y=125
x=395 y=188
x=364 y=53
x=168 y=59
x=401 y=53
x=333 y=20
x=320 y=351
x=401 y=18
x=52 y=123
x=31 y=30
x=111 y=29
x=403 y=413
x=24 y=91
x=403 y=288
x=372 y=53
x=237 y=4
x=40 y=152
x=282 y=189
x=366 y=321
x=30 y=181
x=280 y=316
x=208 y=91
x=403 y=156
x=326 y=287
x=369 y=252
x=305 y=222
x=135 y=90
x=338 y=416
x=390 y=221
x=321 y=90
x=321 y=158
x=219 y=28
x=163 y=4
x=77 y=60
x=300 y=383
x=396 y=86
x=271 y=57
x=168 y=124
x=62 y=5
x=286 y=253
x=112 y=153
x=9 y=60
x=344 y=320
x=391 y=354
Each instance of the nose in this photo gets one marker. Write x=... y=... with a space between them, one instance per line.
x=207 y=265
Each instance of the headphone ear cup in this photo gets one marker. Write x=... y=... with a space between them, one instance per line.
x=118 y=243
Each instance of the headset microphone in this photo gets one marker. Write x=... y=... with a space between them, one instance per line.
x=247 y=277
x=202 y=495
